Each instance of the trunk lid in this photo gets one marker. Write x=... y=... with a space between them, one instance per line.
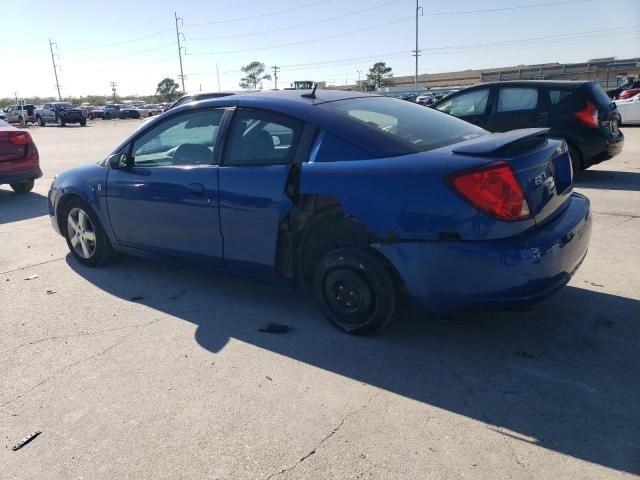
x=10 y=151
x=541 y=166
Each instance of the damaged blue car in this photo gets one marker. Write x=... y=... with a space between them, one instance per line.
x=362 y=198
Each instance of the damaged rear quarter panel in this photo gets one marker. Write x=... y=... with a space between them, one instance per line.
x=405 y=197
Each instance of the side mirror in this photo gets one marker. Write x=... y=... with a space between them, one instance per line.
x=119 y=161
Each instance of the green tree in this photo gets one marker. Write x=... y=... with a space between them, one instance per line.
x=168 y=90
x=379 y=75
x=253 y=75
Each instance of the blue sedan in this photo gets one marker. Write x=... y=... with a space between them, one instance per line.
x=361 y=197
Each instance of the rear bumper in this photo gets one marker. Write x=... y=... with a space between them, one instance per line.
x=17 y=177
x=602 y=148
x=506 y=274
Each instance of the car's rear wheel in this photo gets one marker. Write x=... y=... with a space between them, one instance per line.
x=355 y=291
x=23 y=187
x=85 y=236
x=21 y=122
x=83 y=122
x=41 y=122
x=576 y=160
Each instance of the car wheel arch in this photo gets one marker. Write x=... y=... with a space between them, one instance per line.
x=316 y=225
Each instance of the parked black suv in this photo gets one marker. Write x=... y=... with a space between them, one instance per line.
x=578 y=111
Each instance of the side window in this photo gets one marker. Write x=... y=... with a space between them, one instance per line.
x=512 y=99
x=47 y=106
x=563 y=100
x=261 y=137
x=470 y=103
x=187 y=139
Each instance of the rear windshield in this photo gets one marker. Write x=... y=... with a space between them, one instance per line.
x=421 y=128
x=598 y=94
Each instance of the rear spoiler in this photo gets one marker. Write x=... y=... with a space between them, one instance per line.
x=503 y=144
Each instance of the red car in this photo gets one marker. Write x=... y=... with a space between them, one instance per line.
x=19 y=159
x=628 y=93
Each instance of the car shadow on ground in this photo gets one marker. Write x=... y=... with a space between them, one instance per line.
x=563 y=376
x=608 y=180
x=15 y=207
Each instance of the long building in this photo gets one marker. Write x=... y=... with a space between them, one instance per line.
x=607 y=71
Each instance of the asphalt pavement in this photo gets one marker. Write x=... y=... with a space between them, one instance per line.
x=143 y=370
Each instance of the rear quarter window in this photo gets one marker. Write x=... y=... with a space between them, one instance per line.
x=419 y=128
x=565 y=100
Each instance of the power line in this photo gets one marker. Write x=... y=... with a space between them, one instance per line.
x=505 y=9
x=132 y=54
x=270 y=14
x=178 y=33
x=297 y=25
x=114 y=85
x=117 y=44
x=276 y=69
x=587 y=33
x=55 y=67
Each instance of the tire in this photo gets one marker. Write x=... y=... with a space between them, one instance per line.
x=91 y=117
x=576 y=160
x=23 y=187
x=61 y=122
x=83 y=122
x=355 y=291
x=21 y=122
x=92 y=247
x=41 y=122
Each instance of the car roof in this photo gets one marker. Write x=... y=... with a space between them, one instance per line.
x=289 y=97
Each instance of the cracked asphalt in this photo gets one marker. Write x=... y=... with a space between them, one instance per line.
x=179 y=383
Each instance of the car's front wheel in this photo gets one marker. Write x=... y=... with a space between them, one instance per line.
x=355 y=291
x=61 y=122
x=85 y=236
x=23 y=187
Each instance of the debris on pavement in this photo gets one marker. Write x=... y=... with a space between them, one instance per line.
x=50 y=292
x=26 y=440
x=32 y=277
x=274 y=328
x=268 y=378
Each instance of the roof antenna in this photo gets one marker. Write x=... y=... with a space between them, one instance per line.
x=313 y=92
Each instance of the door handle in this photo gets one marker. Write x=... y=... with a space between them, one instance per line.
x=196 y=188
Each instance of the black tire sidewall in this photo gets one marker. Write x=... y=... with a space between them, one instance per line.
x=23 y=187
x=374 y=272
x=103 y=250
x=576 y=160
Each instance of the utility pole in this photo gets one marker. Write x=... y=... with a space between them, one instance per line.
x=276 y=69
x=55 y=67
x=178 y=33
x=218 y=75
x=359 y=85
x=416 y=52
x=15 y=94
x=113 y=89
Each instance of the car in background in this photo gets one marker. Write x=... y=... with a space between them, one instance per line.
x=19 y=159
x=3 y=115
x=95 y=112
x=621 y=91
x=21 y=114
x=360 y=197
x=628 y=93
x=579 y=112
x=120 y=110
x=60 y=113
x=629 y=110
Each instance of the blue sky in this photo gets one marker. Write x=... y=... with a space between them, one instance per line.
x=134 y=43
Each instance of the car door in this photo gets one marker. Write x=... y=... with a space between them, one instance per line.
x=167 y=200
x=471 y=106
x=47 y=113
x=517 y=107
x=259 y=151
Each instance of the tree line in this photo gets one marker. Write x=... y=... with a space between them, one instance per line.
x=168 y=90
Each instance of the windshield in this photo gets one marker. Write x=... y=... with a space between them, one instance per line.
x=421 y=128
x=65 y=106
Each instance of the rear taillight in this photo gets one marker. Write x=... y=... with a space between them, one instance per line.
x=494 y=190
x=20 y=138
x=588 y=115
